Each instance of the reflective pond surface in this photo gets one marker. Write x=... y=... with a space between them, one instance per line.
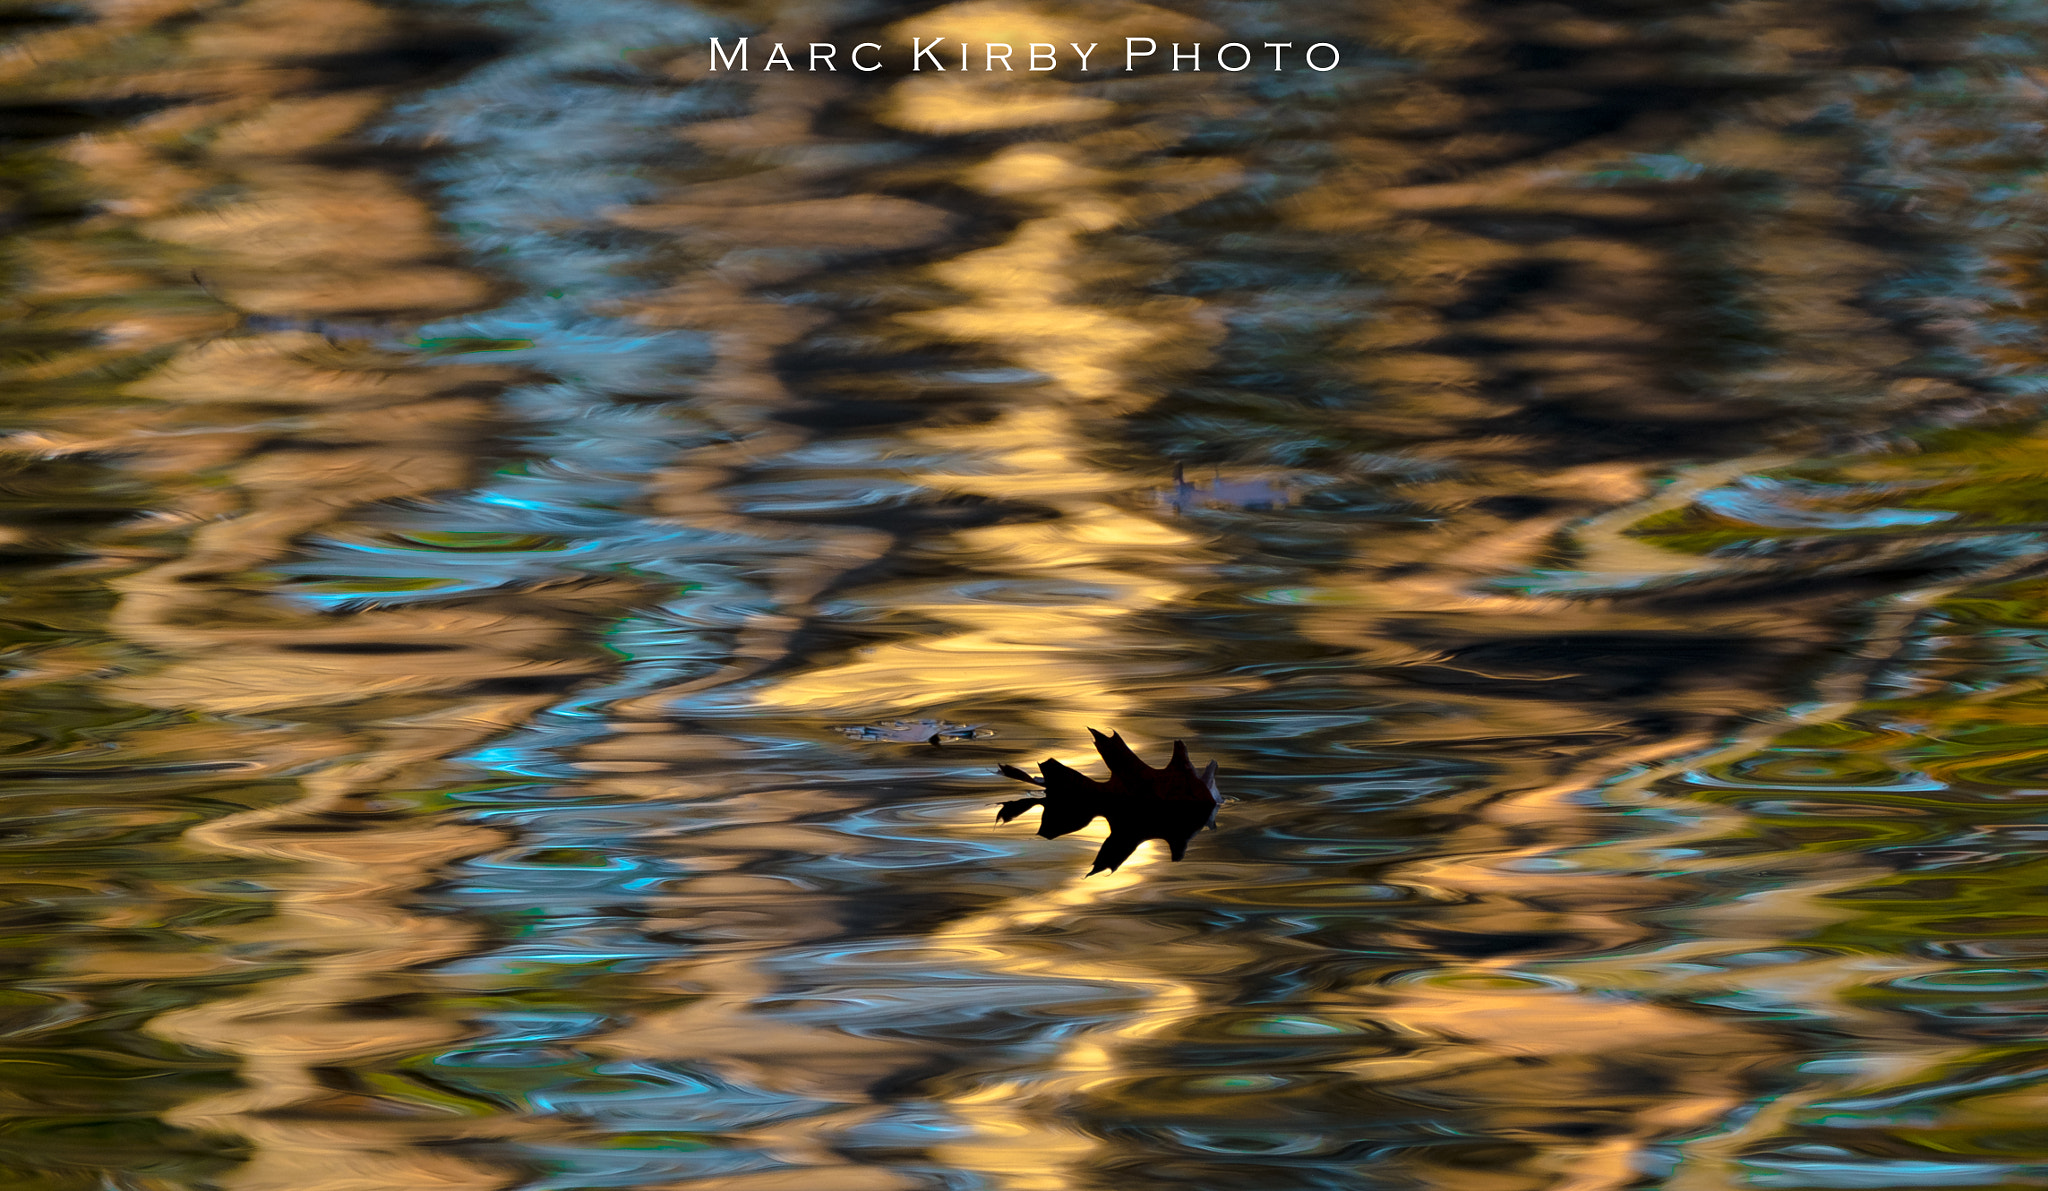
x=523 y=555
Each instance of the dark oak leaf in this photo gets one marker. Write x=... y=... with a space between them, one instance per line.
x=1140 y=802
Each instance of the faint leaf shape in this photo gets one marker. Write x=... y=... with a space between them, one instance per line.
x=916 y=731
x=1220 y=493
x=1140 y=802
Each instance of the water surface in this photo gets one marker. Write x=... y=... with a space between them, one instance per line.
x=496 y=515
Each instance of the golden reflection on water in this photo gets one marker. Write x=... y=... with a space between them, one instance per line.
x=460 y=499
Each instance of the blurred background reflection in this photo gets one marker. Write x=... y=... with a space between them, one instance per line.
x=522 y=555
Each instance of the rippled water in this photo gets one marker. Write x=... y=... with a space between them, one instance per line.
x=523 y=555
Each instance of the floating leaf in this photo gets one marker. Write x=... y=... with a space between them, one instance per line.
x=1140 y=802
